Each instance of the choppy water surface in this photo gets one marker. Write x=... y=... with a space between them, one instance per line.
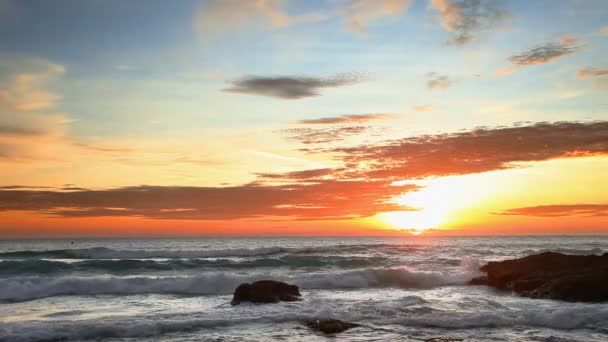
x=400 y=289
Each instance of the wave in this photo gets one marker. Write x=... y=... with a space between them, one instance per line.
x=28 y=288
x=570 y=251
x=136 y=327
x=110 y=253
x=592 y=317
x=129 y=266
x=576 y=316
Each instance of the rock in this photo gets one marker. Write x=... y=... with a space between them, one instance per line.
x=330 y=326
x=443 y=339
x=573 y=278
x=265 y=291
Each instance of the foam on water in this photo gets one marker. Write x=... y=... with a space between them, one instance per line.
x=28 y=288
x=179 y=289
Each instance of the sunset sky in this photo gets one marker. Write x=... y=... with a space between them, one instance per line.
x=336 y=117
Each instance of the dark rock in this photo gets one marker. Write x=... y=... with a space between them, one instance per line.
x=574 y=278
x=330 y=326
x=265 y=291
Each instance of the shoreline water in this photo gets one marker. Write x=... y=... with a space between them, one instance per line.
x=180 y=289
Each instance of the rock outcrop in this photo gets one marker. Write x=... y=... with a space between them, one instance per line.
x=574 y=278
x=330 y=326
x=265 y=291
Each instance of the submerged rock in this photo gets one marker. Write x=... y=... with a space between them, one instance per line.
x=330 y=326
x=574 y=278
x=265 y=291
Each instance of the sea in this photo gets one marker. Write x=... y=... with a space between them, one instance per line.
x=411 y=288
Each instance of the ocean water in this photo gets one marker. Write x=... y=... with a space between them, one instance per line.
x=399 y=289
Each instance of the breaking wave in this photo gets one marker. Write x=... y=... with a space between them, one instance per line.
x=110 y=253
x=28 y=288
x=11 y=267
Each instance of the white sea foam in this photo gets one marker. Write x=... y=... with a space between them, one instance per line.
x=27 y=288
x=127 y=327
x=593 y=317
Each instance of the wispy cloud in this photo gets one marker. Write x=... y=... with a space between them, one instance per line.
x=604 y=30
x=291 y=87
x=591 y=72
x=466 y=18
x=26 y=91
x=359 y=14
x=423 y=108
x=311 y=136
x=218 y=17
x=437 y=81
x=347 y=119
x=305 y=175
x=559 y=210
x=27 y=132
x=543 y=54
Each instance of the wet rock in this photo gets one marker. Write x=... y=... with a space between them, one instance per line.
x=265 y=291
x=574 y=278
x=330 y=326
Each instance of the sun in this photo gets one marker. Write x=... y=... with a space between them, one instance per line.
x=415 y=221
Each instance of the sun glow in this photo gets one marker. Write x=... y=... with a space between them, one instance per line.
x=438 y=202
x=414 y=221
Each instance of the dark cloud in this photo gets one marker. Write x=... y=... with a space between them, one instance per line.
x=437 y=81
x=591 y=72
x=322 y=135
x=19 y=131
x=545 y=53
x=299 y=175
x=559 y=210
x=466 y=18
x=479 y=150
x=346 y=119
x=324 y=199
x=290 y=87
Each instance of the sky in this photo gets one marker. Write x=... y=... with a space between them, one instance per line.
x=287 y=117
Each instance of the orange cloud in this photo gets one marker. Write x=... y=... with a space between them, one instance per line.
x=464 y=19
x=218 y=17
x=559 y=210
x=346 y=119
x=364 y=186
x=358 y=14
x=591 y=72
x=26 y=90
x=478 y=150
x=323 y=199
